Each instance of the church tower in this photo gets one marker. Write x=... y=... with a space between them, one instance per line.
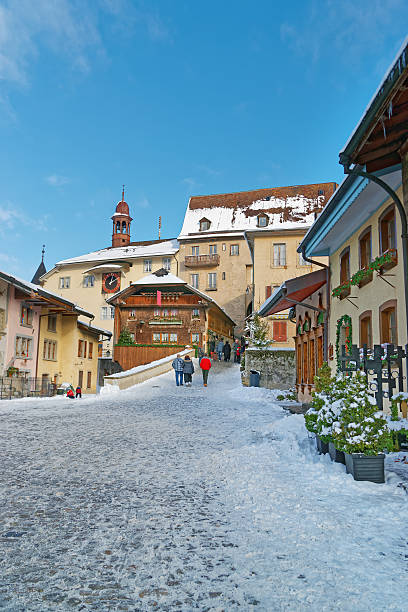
x=121 y=223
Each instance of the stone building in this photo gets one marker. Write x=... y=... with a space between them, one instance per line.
x=161 y=314
x=243 y=245
x=90 y=278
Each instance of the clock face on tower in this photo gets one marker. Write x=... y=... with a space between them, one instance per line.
x=111 y=282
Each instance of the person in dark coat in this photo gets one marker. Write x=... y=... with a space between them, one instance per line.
x=188 y=371
x=227 y=351
x=78 y=392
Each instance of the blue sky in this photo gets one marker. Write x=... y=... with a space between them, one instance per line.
x=173 y=98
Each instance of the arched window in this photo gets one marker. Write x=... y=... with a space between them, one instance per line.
x=123 y=227
x=118 y=227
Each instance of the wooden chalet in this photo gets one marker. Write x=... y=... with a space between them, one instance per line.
x=161 y=314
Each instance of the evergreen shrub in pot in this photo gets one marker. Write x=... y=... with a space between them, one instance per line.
x=361 y=432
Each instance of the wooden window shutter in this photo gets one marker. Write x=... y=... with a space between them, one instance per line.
x=79 y=348
x=280 y=332
x=268 y=291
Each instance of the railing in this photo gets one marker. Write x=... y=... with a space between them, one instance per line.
x=16 y=387
x=200 y=261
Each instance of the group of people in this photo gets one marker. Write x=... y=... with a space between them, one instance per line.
x=224 y=350
x=78 y=393
x=184 y=370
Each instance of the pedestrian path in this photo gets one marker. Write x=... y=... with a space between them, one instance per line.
x=173 y=498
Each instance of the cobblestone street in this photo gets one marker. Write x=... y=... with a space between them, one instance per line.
x=172 y=498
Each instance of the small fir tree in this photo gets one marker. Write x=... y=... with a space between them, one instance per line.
x=258 y=332
x=125 y=338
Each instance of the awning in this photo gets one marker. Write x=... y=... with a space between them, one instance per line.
x=292 y=292
x=108 y=267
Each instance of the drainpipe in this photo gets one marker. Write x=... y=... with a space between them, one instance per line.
x=326 y=318
x=253 y=270
x=403 y=216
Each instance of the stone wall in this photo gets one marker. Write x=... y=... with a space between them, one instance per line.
x=277 y=367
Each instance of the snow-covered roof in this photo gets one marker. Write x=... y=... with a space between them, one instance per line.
x=94 y=328
x=167 y=247
x=40 y=291
x=286 y=208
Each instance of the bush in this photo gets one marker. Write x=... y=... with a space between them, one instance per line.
x=361 y=427
x=323 y=385
x=125 y=338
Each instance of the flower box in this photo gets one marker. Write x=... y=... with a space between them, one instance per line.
x=336 y=455
x=322 y=447
x=388 y=260
x=366 y=467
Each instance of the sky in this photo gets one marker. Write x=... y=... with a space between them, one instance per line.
x=172 y=98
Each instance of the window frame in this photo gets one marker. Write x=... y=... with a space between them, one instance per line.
x=87 y=283
x=204 y=224
x=274 y=259
x=29 y=345
x=193 y=278
x=213 y=276
x=367 y=314
x=166 y=263
x=29 y=316
x=147 y=265
x=385 y=308
x=234 y=250
x=388 y=211
x=345 y=252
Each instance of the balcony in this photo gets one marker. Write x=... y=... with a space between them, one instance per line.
x=201 y=261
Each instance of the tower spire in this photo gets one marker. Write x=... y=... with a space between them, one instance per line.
x=42 y=253
x=123 y=193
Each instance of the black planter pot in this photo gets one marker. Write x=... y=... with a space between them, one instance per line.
x=322 y=447
x=336 y=455
x=366 y=467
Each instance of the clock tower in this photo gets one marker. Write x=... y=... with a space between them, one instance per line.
x=121 y=223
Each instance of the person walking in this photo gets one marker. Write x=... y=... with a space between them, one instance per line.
x=188 y=371
x=205 y=365
x=238 y=354
x=178 y=367
x=227 y=351
x=78 y=392
x=220 y=349
x=234 y=351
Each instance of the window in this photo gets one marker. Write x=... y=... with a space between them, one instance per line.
x=24 y=347
x=345 y=266
x=166 y=263
x=224 y=246
x=107 y=312
x=81 y=348
x=26 y=317
x=80 y=378
x=196 y=313
x=388 y=322
x=366 y=329
x=234 y=249
x=387 y=230
x=320 y=192
x=174 y=312
x=156 y=337
x=50 y=350
x=90 y=350
x=279 y=255
x=173 y=338
x=64 y=282
x=52 y=323
x=204 y=225
x=268 y=291
x=212 y=280
x=195 y=250
x=147 y=265
x=280 y=331
x=223 y=276
x=132 y=313
x=365 y=249
x=213 y=249
x=89 y=380
x=195 y=338
x=165 y=338
x=88 y=281
x=263 y=220
x=156 y=312
x=194 y=281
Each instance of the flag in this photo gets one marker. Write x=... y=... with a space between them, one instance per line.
x=159 y=298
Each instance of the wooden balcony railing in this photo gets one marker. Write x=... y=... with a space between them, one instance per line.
x=201 y=261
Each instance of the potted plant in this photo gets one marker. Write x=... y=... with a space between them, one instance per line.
x=362 y=432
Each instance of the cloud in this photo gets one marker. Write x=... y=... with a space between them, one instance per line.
x=191 y=182
x=55 y=180
x=349 y=29
x=142 y=203
x=208 y=170
x=68 y=28
x=11 y=217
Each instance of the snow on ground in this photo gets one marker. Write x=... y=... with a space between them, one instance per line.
x=170 y=498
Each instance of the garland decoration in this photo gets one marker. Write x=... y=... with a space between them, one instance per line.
x=344 y=321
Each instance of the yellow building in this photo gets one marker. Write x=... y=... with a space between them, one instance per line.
x=243 y=245
x=91 y=278
x=68 y=351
